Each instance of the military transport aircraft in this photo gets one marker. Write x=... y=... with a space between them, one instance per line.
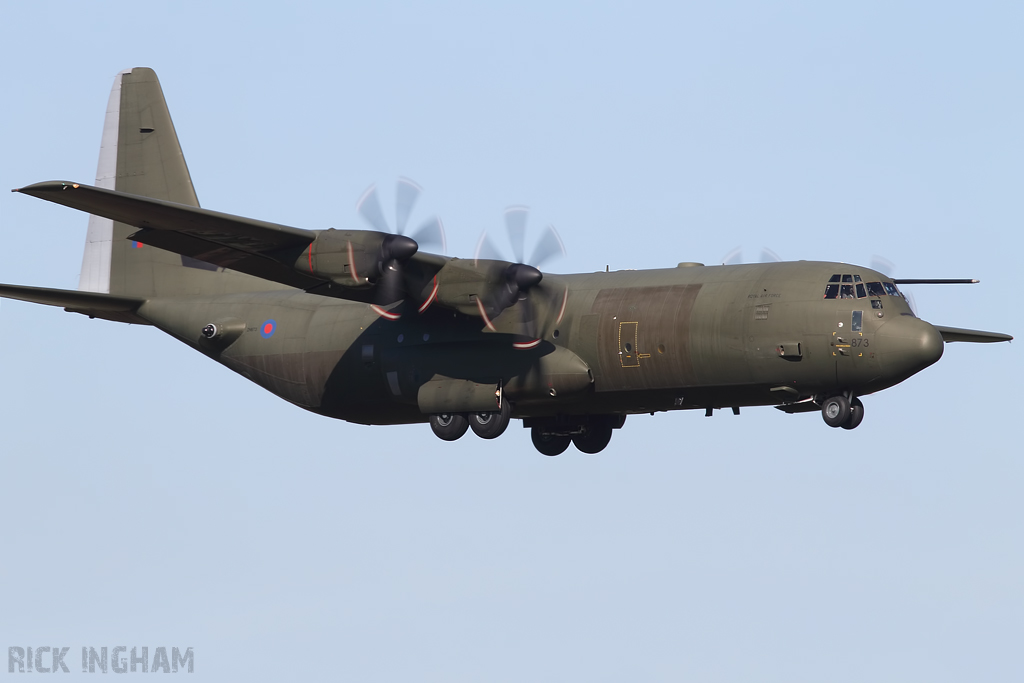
x=361 y=325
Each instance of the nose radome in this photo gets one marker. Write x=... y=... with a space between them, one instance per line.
x=908 y=345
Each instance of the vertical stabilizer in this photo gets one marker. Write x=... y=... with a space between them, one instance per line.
x=140 y=154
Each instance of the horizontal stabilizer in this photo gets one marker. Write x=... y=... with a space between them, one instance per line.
x=956 y=334
x=95 y=305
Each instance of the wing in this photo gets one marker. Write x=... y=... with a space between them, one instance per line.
x=956 y=334
x=243 y=244
x=343 y=264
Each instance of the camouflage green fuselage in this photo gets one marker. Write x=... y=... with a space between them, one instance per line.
x=653 y=340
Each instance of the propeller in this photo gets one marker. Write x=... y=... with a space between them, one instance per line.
x=397 y=248
x=887 y=268
x=735 y=257
x=520 y=279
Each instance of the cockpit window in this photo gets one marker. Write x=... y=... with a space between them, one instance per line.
x=876 y=289
x=857 y=288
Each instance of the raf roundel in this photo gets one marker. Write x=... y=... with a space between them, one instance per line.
x=268 y=328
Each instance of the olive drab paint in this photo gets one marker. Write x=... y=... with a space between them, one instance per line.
x=360 y=325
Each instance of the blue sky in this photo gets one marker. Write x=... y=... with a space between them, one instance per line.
x=152 y=497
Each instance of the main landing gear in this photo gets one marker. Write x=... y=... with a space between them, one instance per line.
x=839 y=411
x=590 y=434
x=491 y=425
x=551 y=436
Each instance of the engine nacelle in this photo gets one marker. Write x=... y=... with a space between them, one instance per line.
x=354 y=258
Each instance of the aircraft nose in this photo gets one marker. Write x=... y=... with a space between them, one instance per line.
x=908 y=345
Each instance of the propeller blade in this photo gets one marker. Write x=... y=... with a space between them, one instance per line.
x=485 y=249
x=888 y=268
x=527 y=319
x=369 y=209
x=734 y=257
x=549 y=246
x=515 y=224
x=769 y=256
x=406 y=194
x=390 y=286
x=432 y=232
x=882 y=265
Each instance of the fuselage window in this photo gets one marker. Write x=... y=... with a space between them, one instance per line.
x=890 y=289
x=876 y=304
x=876 y=289
x=856 y=278
x=834 y=278
x=847 y=278
x=846 y=292
x=860 y=291
x=858 y=321
x=832 y=291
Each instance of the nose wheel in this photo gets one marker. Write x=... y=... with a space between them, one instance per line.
x=839 y=411
x=856 y=414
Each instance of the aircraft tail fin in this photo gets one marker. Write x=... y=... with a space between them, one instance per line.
x=140 y=154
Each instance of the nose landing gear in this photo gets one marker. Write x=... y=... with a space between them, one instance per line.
x=839 y=411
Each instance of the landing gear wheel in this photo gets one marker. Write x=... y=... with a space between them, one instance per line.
x=449 y=426
x=549 y=444
x=491 y=425
x=594 y=438
x=835 y=410
x=856 y=414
